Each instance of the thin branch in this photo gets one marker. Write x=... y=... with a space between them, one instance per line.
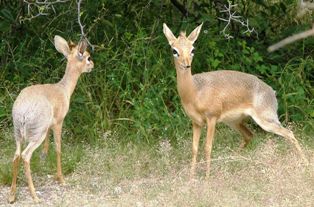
x=83 y=36
x=304 y=7
x=79 y=17
x=40 y=8
x=235 y=18
x=46 y=2
x=291 y=39
x=181 y=8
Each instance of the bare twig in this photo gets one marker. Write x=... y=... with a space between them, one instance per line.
x=291 y=39
x=40 y=8
x=79 y=17
x=83 y=36
x=46 y=2
x=233 y=17
x=304 y=7
x=181 y=8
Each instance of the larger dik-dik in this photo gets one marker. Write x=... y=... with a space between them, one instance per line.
x=222 y=96
x=39 y=108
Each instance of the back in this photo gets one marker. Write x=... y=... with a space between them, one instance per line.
x=226 y=78
x=233 y=89
x=225 y=84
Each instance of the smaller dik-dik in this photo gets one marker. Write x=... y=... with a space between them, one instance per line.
x=39 y=108
x=222 y=96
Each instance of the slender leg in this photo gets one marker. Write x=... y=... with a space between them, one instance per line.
x=44 y=152
x=196 y=137
x=246 y=133
x=276 y=128
x=26 y=156
x=15 y=170
x=211 y=123
x=290 y=137
x=57 y=129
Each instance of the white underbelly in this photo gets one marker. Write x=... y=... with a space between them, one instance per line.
x=233 y=115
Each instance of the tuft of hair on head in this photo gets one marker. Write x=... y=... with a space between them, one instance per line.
x=71 y=45
x=183 y=34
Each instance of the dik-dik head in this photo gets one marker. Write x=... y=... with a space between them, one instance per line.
x=76 y=55
x=182 y=47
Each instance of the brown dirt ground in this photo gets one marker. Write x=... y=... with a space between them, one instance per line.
x=263 y=178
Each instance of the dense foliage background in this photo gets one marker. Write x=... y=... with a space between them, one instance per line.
x=132 y=90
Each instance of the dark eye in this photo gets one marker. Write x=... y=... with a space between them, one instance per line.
x=89 y=59
x=192 y=52
x=175 y=52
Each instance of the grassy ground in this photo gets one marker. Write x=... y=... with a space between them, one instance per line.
x=267 y=173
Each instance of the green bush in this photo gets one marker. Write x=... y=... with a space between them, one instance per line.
x=132 y=90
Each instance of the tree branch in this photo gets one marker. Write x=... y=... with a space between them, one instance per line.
x=181 y=8
x=83 y=36
x=304 y=7
x=41 y=8
x=231 y=16
x=291 y=39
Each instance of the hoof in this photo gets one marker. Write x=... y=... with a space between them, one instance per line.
x=11 y=199
x=242 y=146
x=60 y=180
x=36 y=200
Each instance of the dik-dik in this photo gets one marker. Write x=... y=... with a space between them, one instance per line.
x=222 y=96
x=39 y=108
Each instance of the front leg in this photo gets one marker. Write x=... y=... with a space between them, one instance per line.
x=211 y=124
x=196 y=137
x=57 y=130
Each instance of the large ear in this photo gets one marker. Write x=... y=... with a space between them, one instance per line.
x=169 y=35
x=61 y=45
x=82 y=47
x=194 y=35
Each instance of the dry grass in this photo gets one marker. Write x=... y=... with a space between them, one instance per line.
x=131 y=176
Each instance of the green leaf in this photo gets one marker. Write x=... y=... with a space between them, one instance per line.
x=6 y=14
x=4 y=26
x=2 y=112
x=215 y=63
x=257 y=57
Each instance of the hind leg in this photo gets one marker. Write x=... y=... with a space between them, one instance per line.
x=244 y=131
x=45 y=149
x=275 y=127
x=26 y=156
x=15 y=170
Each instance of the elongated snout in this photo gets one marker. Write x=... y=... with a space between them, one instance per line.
x=186 y=62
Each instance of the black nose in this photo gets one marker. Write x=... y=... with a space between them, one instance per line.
x=188 y=66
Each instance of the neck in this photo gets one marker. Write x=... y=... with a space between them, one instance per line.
x=69 y=80
x=185 y=84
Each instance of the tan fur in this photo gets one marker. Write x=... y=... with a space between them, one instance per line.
x=39 y=108
x=222 y=96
